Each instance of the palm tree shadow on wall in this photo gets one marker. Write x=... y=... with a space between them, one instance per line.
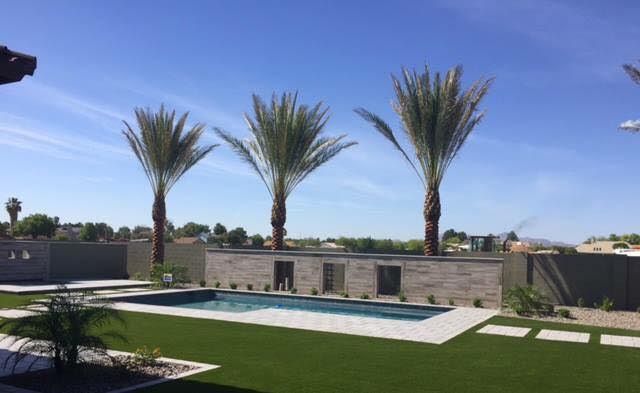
x=553 y=277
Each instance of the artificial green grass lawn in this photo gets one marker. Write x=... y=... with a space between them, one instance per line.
x=268 y=359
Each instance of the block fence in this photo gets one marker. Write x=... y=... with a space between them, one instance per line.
x=564 y=278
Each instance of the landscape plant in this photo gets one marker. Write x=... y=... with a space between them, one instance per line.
x=66 y=326
x=166 y=153
x=179 y=274
x=606 y=305
x=233 y=285
x=437 y=118
x=267 y=287
x=314 y=291
x=364 y=296
x=431 y=299
x=477 y=303
x=402 y=297
x=527 y=301
x=249 y=287
x=286 y=146
x=564 y=313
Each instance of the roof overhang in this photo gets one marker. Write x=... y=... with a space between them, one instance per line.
x=15 y=65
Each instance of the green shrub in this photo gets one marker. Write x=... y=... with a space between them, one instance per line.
x=314 y=291
x=145 y=357
x=364 y=296
x=249 y=287
x=527 y=300
x=138 y=276
x=477 y=302
x=294 y=291
x=581 y=303
x=564 y=313
x=217 y=284
x=65 y=327
x=233 y=285
x=203 y=283
x=267 y=287
x=431 y=299
x=178 y=272
x=451 y=302
x=607 y=304
x=402 y=297
x=344 y=294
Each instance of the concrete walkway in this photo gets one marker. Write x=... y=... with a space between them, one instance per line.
x=74 y=285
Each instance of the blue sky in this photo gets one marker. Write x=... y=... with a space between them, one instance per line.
x=548 y=151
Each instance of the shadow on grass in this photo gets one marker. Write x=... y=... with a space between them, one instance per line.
x=196 y=387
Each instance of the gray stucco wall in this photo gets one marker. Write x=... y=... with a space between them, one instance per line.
x=190 y=256
x=87 y=260
x=19 y=269
x=461 y=279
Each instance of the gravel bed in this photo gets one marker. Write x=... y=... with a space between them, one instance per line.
x=99 y=377
x=590 y=316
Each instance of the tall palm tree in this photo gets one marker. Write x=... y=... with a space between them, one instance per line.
x=634 y=74
x=165 y=152
x=13 y=206
x=437 y=117
x=286 y=146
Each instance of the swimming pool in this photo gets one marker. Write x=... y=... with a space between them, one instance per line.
x=240 y=302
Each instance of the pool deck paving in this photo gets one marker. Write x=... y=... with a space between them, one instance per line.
x=434 y=330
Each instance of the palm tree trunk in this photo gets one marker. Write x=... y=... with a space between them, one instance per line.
x=278 y=218
x=157 y=242
x=431 y=220
x=13 y=219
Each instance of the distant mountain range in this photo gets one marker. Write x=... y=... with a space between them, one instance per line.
x=535 y=240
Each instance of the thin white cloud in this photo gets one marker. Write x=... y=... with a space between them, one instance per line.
x=631 y=125
x=22 y=133
x=101 y=113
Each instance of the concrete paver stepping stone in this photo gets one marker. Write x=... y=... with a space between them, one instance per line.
x=620 y=341
x=561 y=335
x=500 y=330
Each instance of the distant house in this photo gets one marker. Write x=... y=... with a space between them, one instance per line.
x=200 y=238
x=517 y=246
x=332 y=245
x=600 y=247
x=189 y=240
x=71 y=233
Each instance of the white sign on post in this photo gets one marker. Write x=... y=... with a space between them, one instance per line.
x=167 y=278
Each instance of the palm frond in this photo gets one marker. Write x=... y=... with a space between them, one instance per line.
x=633 y=72
x=286 y=143
x=437 y=118
x=163 y=148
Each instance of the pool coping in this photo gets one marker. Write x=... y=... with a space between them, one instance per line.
x=434 y=330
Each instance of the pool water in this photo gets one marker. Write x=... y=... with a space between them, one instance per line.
x=215 y=300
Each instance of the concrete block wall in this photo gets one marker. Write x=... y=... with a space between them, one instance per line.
x=460 y=279
x=34 y=268
x=190 y=256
